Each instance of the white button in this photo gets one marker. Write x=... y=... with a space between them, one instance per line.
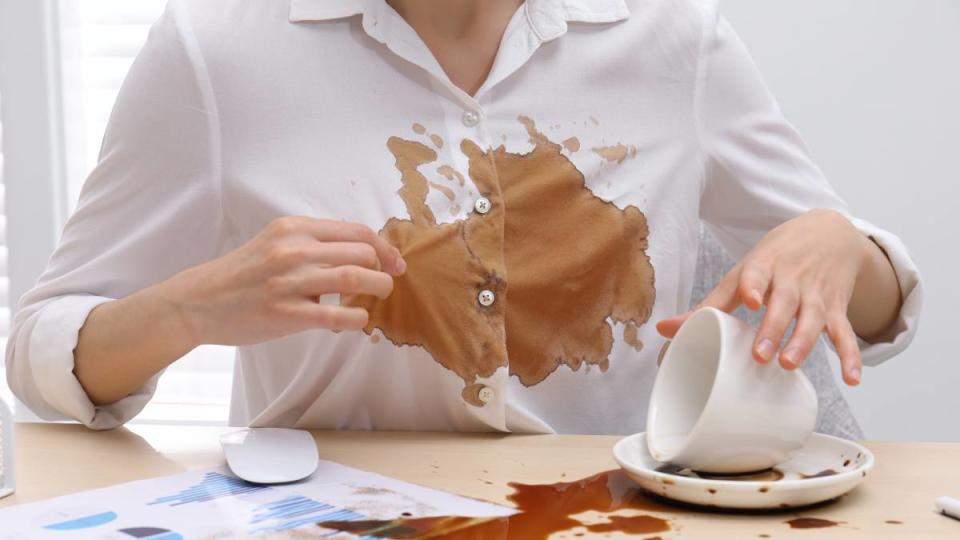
x=486 y=298
x=471 y=118
x=485 y=394
x=482 y=205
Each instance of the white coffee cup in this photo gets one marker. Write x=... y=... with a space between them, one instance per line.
x=716 y=409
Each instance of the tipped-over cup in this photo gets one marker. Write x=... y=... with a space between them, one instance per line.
x=716 y=409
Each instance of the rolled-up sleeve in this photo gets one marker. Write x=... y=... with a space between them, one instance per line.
x=150 y=208
x=757 y=172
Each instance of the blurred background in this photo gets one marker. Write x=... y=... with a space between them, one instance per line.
x=873 y=86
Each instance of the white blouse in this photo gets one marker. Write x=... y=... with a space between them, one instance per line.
x=547 y=221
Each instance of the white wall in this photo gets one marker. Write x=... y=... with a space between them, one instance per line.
x=874 y=87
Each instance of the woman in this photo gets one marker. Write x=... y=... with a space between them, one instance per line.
x=442 y=215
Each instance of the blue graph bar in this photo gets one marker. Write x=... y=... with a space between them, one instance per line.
x=297 y=510
x=213 y=486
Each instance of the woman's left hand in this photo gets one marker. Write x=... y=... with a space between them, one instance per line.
x=805 y=269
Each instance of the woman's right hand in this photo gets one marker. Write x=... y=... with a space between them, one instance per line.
x=270 y=286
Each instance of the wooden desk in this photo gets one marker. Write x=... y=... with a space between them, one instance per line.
x=60 y=459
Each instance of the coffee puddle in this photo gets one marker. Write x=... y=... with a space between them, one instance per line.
x=811 y=523
x=544 y=509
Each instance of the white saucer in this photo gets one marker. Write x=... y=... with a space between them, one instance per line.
x=843 y=464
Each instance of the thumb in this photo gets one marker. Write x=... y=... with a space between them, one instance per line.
x=668 y=327
x=724 y=297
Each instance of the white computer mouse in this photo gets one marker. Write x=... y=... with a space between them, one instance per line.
x=270 y=455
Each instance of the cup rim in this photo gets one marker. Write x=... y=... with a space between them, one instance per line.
x=715 y=315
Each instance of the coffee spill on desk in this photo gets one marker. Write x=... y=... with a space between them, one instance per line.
x=543 y=509
x=811 y=523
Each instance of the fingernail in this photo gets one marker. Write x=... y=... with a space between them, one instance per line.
x=789 y=357
x=855 y=374
x=755 y=296
x=401 y=265
x=766 y=349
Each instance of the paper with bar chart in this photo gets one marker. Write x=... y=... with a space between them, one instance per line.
x=213 y=504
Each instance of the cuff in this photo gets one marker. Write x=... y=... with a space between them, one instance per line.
x=911 y=290
x=52 y=343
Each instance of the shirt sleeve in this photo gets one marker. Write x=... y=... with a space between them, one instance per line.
x=758 y=173
x=150 y=208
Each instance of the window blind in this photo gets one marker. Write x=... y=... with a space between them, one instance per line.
x=100 y=39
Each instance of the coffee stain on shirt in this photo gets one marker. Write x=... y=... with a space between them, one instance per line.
x=630 y=336
x=542 y=260
x=419 y=129
x=451 y=174
x=437 y=141
x=572 y=144
x=471 y=394
x=617 y=152
x=447 y=192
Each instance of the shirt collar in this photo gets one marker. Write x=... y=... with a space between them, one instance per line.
x=548 y=18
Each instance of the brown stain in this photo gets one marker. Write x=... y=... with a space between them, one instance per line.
x=572 y=144
x=543 y=510
x=556 y=231
x=617 y=153
x=419 y=129
x=811 y=523
x=375 y=338
x=437 y=141
x=712 y=490
x=893 y=522
x=447 y=192
x=630 y=336
x=471 y=394
x=444 y=270
x=630 y=525
x=455 y=209
x=540 y=259
x=846 y=463
x=764 y=489
x=763 y=535
x=451 y=174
